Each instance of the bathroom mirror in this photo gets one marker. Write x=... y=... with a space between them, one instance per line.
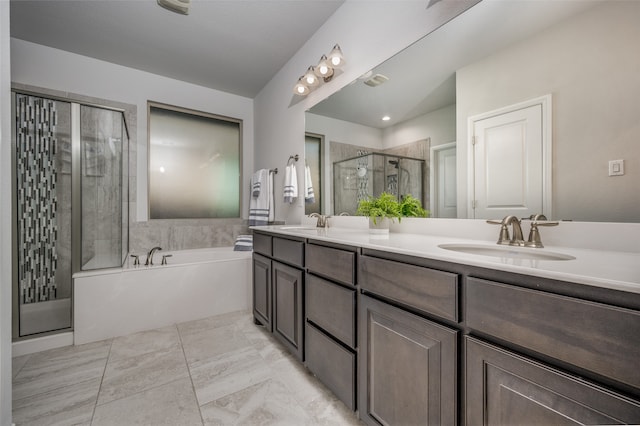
x=581 y=54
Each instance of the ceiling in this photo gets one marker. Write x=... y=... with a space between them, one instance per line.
x=422 y=77
x=235 y=46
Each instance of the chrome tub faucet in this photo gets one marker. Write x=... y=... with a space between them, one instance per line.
x=149 y=261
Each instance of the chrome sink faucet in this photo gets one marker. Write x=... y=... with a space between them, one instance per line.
x=517 y=239
x=514 y=222
x=149 y=261
x=323 y=220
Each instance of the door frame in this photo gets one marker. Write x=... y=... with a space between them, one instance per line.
x=433 y=176
x=547 y=155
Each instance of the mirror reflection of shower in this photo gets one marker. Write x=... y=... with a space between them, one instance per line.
x=370 y=174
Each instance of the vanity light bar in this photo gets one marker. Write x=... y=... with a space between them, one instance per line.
x=321 y=73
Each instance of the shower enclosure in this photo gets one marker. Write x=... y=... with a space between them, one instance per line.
x=357 y=178
x=70 y=204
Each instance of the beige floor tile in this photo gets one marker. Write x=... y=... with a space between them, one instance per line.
x=228 y=373
x=264 y=403
x=144 y=342
x=202 y=345
x=68 y=405
x=232 y=318
x=173 y=404
x=131 y=375
x=17 y=363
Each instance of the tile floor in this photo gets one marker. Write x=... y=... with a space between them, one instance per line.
x=221 y=370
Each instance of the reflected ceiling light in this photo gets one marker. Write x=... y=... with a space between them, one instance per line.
x=177 y=6
x=162 y=169
x=321 y=73
x=376 y=80
x=386 y=118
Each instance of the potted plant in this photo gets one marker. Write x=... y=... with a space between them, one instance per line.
x=382 y=210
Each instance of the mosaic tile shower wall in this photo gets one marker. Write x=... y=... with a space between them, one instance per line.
x=36 y=172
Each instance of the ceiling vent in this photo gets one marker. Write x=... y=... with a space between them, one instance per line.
x=376 y=80
x=177 y=6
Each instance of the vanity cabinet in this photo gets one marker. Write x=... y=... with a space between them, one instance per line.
x=504 y=388
x=407 y=367
x=330 y=306
x=288 y=326
x=407 y=363
x=278 y=289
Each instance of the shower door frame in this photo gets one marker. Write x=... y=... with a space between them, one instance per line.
x=76 y=196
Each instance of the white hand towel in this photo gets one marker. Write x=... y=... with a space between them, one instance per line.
x=290 y=184
x=260 y=207
x=256 y=184
x=309 y=196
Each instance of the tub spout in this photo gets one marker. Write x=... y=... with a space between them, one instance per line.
x=149 y=261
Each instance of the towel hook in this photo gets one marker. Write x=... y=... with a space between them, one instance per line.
x=294 y=157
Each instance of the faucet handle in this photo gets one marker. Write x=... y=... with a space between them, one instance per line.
x=534 y=235
x=504 y=237
x=164 y=258
x=136 y=259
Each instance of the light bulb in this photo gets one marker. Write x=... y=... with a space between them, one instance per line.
x=323 y=69
x=301 y=88
x=386 y=118
x=335 y=57
x=310 y=77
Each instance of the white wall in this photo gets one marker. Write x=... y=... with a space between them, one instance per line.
x=368 y=32
x=439 y=126
x=42 y=66
x=5 y=217
x=594 y=81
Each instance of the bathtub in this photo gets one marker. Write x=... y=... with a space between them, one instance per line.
x=194 y=284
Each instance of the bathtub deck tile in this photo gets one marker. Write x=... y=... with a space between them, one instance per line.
x=125 y=377
x=144 y=342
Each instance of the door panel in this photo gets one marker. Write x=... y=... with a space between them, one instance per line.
x=508 y=164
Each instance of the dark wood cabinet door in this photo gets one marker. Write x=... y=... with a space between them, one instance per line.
x=503 y=388
x=287 y=307
x=407 y=367
x=262 y=290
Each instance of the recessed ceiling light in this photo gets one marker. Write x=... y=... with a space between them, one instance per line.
x=376 y=80
x=386 y=118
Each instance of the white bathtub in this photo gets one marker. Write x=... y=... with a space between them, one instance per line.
x=195 y=284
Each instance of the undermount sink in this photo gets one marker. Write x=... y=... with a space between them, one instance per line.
x=507 y=252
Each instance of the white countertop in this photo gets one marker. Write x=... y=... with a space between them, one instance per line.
x=619 y=270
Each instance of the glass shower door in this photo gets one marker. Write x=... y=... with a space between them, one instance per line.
x=42 y=210
x=104 y=188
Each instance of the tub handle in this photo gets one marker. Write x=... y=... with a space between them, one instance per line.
x=164 y=258
x=136 y=259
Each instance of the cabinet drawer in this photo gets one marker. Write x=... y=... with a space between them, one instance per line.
x=428 y=290
x=332 y=308
x=332 y=263
x=600 y=338
x=262 y=244
x=334 y=365
x=288 y=251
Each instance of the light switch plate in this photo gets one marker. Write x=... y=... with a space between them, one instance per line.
x=616 y=167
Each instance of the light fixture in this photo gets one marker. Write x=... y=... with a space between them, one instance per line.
x=335 y=57
x=321 y=73
x=386 y=118
x=324 y=69
x=177 y=6
x=310 y=77
x=301 y=88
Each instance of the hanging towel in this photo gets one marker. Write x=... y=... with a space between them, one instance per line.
x=290 y=184
x=261 y=207
x=243 y=243
x=256 y=184
x=309 y=196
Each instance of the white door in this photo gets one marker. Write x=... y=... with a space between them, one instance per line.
x=508 y=163
x=444 y=182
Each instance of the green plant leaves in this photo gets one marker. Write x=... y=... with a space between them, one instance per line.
x=386 y=205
